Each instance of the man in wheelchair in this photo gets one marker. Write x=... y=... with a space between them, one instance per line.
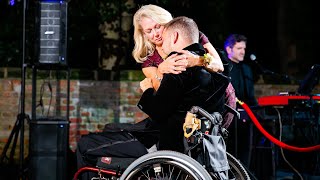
x=179 y=92
x=167 y=107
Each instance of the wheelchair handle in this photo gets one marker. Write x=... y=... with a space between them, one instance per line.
x=199 y=110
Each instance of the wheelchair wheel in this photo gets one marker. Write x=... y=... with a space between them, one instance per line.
x=237 y=169
x=165 y=165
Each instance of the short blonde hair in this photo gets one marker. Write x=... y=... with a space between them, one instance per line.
x=188 y=28
x=142 y=46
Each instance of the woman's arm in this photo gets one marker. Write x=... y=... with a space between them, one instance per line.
x=196 y=60
x=174 y=64
x=151 y=73
x=216 y=65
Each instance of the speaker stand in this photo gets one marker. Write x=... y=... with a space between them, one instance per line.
x=12 y=140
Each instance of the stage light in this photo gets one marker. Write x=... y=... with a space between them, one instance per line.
x=12 y=2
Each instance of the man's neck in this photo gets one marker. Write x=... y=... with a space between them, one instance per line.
x=160 y=52
x=195 y=47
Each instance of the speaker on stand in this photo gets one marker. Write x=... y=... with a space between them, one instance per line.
x=49 y=136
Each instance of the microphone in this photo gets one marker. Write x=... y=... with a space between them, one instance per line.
x=252 y=57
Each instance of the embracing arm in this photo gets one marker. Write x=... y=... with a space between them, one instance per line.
x=215 y=65
x=152 y=73
x=174 y=64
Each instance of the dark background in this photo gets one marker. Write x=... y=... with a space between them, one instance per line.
x=272 y=28
x=279 y=33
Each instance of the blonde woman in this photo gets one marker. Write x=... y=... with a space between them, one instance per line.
x=149 y=23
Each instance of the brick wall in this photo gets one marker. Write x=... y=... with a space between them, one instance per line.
x=92 y=103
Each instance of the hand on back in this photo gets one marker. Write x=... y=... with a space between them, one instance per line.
x=174 y=64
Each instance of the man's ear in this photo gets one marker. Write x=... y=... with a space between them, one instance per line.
x=175 y=37
x=228 y=49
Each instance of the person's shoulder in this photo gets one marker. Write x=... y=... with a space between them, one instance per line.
x=196 y=48
x=153 y=60
x=201 y=34
x=203 y=39
x=246 y=65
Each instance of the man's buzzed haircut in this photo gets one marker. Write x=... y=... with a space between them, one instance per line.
x=188 y=28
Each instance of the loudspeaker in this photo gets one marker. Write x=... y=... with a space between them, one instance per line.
x=51 y=23
x=48 y=149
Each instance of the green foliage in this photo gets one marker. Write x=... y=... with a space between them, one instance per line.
x=111 y=10
x=103 y=10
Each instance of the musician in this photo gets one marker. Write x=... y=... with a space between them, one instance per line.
x=240 y=72
x=243 y=83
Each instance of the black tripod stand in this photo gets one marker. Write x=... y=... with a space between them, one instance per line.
x=20 y=122
x=13 y=139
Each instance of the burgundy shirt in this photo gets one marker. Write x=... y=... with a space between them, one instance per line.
x=155 y=59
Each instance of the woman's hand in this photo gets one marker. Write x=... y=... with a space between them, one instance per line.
x=193 y=59
x=214 y=66
x=174 y=64
x=146 y=84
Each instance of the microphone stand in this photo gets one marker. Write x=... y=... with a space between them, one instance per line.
x=23 y=85
x=266 y=71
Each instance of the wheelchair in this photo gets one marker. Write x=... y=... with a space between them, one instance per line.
x=191 y=165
